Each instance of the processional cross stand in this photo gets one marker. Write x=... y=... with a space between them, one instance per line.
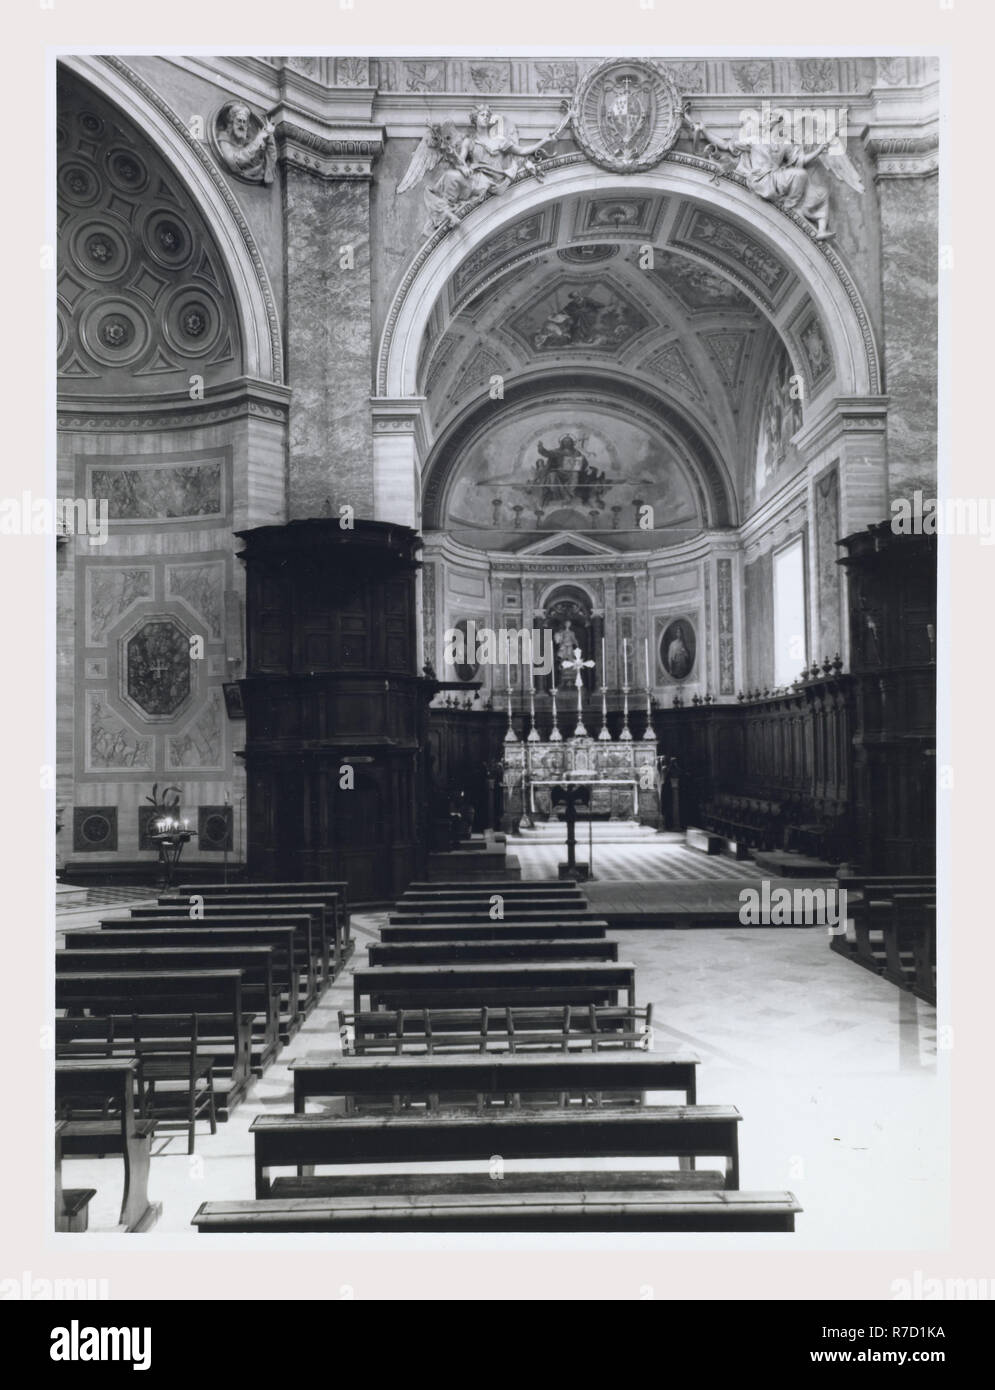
x=578 y=664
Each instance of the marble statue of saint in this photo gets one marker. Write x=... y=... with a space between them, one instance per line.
x=778 y=171
x=476 y=164
x=251 y=157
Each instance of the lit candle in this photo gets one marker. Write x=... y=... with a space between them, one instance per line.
x=604 y=667
x=647 y=642
x=625 y=661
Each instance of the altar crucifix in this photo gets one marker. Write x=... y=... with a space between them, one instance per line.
x=578 y=664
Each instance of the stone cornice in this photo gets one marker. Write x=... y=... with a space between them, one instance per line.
x=865 y=414
x=903 y=153
x=326 y=149
x=393 y=417
x=244 y=397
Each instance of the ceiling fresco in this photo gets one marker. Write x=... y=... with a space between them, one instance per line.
x=571 y=285
x=576 y=468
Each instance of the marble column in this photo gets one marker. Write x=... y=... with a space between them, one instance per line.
x=326 y=188
x=906 y=160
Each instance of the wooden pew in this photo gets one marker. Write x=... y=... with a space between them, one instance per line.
x=459 y=986
x=580 y=1203
x=472 y=912
x=334 y=894
x=453 y=952
x=521 y=896
x=72 y=1204
x=92 y=997
x=338 y=886
x=260 y=993
x=894 y=930
x=292 y=971
x=495 y=931
x=96 y=1099
x=652 y=1131
x=334 y=946
x=490 y=1077
x=489 y=885
x=443 y=1031
x=310 y=938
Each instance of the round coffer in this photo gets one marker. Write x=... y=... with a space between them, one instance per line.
x=100 y=251
x=79 y=184
x=126 y=171
x=115 y=332
x=192 y=321
x=91 y=125
x=168 y=239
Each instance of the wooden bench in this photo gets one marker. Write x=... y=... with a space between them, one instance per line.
x=338 y=886
x=334 y=947
x=471 y=912
x=495 y=931
x=507 y=1206
x=488 y=885
x=333 y=894
x=652 y=1131
x=489 y=1078
x=310 y=940
x=459 y=986
x=260 y=994
x=96 y=1100
x=521 y=897
x=292 y=971
x=72 y=1204
x=453 y=952
x=894 y=929
x=445 y=1031
x=90 y=998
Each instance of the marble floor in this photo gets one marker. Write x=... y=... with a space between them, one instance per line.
x=833 y=1069
x=640 y=862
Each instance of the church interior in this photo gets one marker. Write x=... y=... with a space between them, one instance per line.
x=496 y=727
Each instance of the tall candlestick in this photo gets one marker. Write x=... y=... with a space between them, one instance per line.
x=648 y=732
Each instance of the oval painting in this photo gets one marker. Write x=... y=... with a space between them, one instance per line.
x=678 y=648
x=468 y=671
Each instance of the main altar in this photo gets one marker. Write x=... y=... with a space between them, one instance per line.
x=622 y=778
x=620 y=775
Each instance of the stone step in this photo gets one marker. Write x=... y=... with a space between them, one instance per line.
x=789 y=864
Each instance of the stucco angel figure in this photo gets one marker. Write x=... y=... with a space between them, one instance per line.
x=777 y=170
x=481 y=162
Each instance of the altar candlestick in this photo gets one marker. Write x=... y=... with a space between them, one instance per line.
x=648 y=732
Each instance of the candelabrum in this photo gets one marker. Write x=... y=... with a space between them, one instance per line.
x=604 y=735
x=555 y=736
x=626 y=734
x=649 y=732
x=510 y=736
x=533 y=734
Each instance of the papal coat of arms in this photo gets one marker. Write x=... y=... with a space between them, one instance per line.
x=627 y=114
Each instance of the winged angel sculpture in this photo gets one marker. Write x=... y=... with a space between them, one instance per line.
x=778 y=171
x=475 y=165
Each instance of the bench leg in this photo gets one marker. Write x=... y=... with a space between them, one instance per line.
x=135 y=1199
x=732 y=1165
